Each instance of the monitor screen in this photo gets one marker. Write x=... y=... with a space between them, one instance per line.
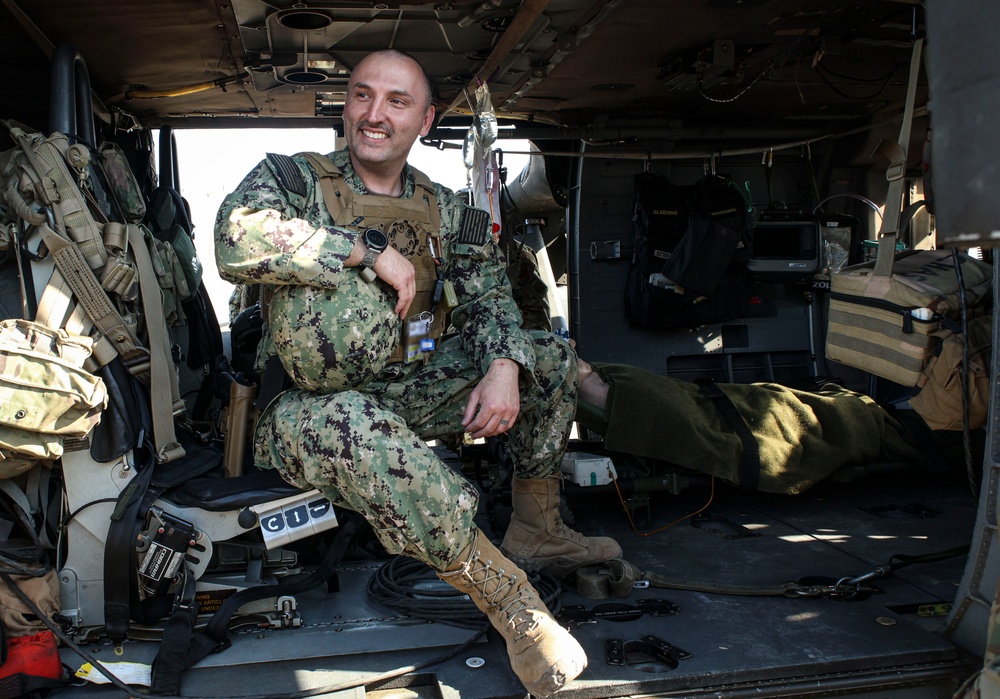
x=785 y=247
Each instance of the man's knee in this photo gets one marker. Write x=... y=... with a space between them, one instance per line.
x=307 y=435
x=555 y=363
x=365 y=458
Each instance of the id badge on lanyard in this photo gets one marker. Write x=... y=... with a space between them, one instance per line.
x=416 y=337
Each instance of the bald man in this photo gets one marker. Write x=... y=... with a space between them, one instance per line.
x=366 y=262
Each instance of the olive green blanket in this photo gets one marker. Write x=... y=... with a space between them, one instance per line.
x=803 y=436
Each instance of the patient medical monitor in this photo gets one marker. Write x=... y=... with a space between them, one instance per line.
x=785 y=249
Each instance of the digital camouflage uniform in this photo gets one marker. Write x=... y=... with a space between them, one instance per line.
x=364 y=447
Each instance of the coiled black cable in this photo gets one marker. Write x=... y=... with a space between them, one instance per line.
x=412 y=588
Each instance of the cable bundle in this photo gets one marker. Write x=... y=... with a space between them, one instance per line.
x=412 y=588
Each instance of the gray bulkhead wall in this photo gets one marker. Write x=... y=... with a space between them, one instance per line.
x=779 y=336
x=968 y=623
x=965 y=161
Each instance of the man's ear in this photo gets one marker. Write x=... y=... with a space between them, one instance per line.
x=428 y=121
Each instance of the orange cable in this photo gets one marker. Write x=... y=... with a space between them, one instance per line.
x=711 y=496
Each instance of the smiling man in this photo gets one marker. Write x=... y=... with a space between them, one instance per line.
x=383 y=117
x=365 y=262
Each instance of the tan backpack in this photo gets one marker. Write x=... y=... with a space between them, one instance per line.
x=939 y=400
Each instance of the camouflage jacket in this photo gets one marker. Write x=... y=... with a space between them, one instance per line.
x=265 y=234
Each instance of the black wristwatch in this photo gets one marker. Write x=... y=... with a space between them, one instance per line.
x=376 y=241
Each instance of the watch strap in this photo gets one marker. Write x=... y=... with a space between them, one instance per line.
x=370 y=257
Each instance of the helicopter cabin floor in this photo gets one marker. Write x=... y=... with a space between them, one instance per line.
x=885 y=645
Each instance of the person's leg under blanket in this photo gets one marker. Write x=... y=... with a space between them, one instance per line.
x=802 y=436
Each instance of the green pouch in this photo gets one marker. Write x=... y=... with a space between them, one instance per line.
x=170 y=277
x=183 y=245
x=122 y=181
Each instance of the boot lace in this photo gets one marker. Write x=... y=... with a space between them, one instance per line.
x=505 y=597
x=567 y=533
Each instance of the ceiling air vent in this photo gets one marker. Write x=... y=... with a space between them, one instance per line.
x=303 y=19
x=306 y=34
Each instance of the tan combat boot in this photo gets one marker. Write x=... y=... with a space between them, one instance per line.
x=538 y=540
x=543 y=655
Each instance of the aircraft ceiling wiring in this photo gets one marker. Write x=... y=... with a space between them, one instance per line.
x=647 y=155
x=774 y=61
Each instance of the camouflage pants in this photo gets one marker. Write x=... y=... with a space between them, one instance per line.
x=365 y=450
x=983 y=685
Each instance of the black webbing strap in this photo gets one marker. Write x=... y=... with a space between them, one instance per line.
x=623 y=575
x=215 y=636
x=750 y=458
x=121 y=591
x=120 y=555
x=901 y=560
x=171 y=658
x=203 y=325
x=272 y=382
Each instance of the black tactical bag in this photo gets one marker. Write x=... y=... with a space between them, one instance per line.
x=692 y=245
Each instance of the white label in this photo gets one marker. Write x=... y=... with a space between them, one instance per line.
x=295 y=518
x=129 y=673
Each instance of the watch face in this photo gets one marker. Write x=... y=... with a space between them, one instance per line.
x=376 y=239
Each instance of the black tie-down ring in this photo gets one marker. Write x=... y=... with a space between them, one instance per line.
x=651 y=654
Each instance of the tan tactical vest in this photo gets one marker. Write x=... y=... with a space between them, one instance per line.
x=407 y=223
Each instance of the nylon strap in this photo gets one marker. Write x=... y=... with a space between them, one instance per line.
x=897 y=154
x=57 y=298
x=423 y=182
x=120 y=559
x=750 y=456
x=54 y=305
x=59 y=188
x=171 y=658
x=329 y=175
x=345 y=205
x=46 y=508
x=215 y=635
x=17 y=495
x=109 y=322
x=89 y=292
x=273 y=381
x=163 y=389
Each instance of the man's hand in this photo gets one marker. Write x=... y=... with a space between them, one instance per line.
x=397 y=272
x=495 y=402
x=392 y=268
